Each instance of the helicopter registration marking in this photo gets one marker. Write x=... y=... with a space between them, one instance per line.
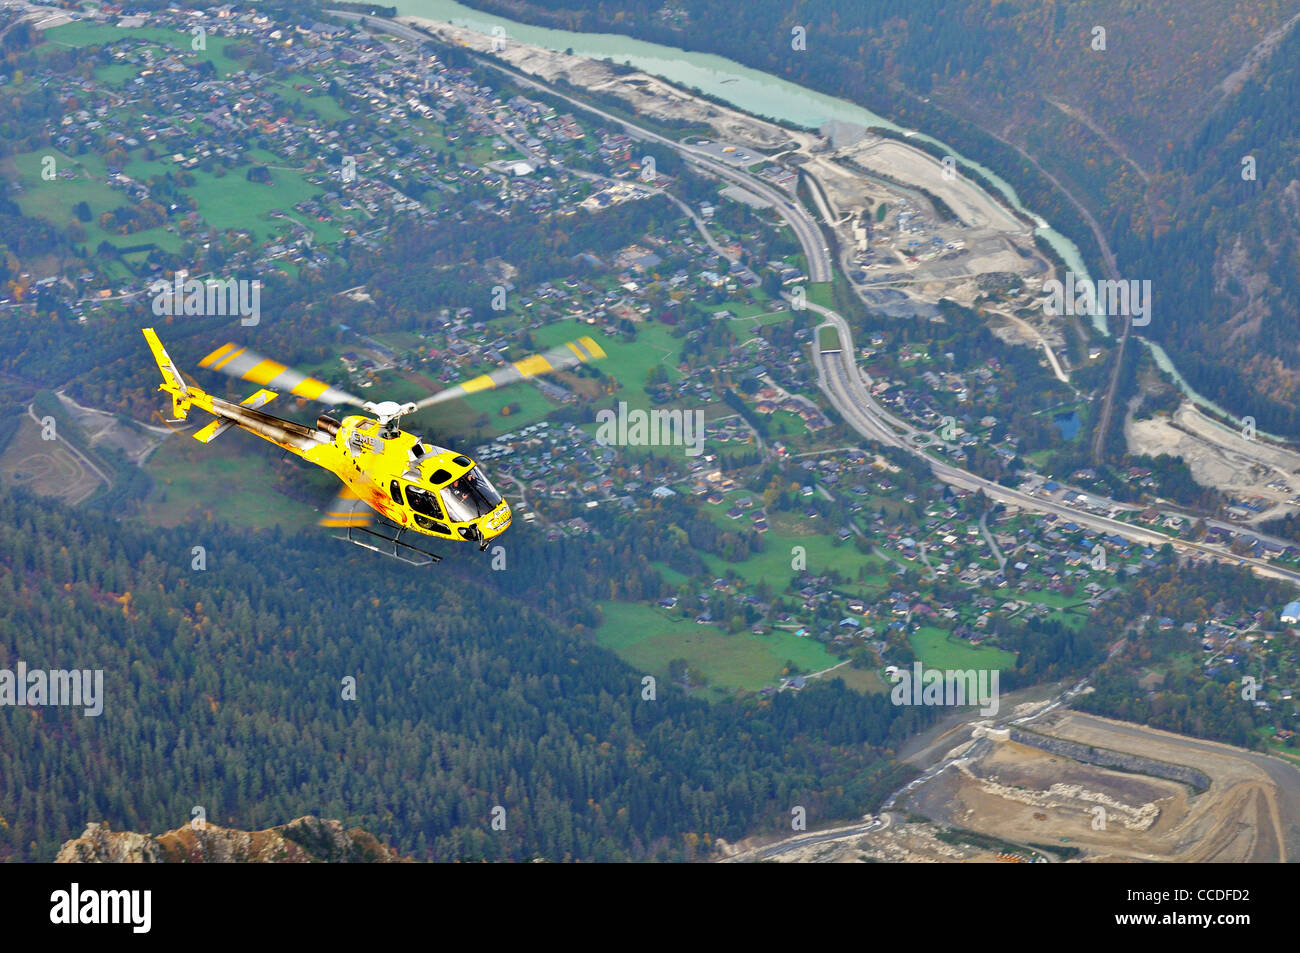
x=357 y=442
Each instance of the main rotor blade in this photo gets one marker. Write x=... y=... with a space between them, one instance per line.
x=557 y=358
x=245 y=364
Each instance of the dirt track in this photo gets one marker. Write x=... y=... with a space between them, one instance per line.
x=46 y=467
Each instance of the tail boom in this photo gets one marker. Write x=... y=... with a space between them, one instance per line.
x=284 y=433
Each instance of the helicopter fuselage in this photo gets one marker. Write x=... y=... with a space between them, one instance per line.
x=427 y=488
x=415 y=485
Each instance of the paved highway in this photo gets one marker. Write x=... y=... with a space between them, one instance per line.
x=838 y=378
x=790 y=209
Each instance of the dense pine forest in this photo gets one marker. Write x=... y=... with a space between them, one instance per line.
x=224 y=690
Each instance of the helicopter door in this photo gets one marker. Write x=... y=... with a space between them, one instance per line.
x=427 y=511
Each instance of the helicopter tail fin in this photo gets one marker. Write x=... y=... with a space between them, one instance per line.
x=172 y=383
x=169 y=372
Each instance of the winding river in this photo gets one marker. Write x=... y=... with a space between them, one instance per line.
x=760 y=94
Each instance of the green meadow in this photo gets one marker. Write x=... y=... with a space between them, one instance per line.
x=229 y=201
x=938 y=649
x=648 y=638
x=85 y=33
x=627 y=362
x=230 y=479
x=820 y=553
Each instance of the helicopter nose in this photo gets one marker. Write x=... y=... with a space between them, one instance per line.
x=496 y=522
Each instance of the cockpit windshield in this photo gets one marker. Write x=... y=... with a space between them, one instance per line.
x=469 y=497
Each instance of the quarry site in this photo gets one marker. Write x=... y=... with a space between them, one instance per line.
x=1253 y=471
x=910 y=255
x=1073 y=788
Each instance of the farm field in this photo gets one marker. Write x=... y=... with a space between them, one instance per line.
x=937 y=649
x=647 y=638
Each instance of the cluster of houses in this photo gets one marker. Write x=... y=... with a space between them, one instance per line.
x=772 y=399
x=190 y=119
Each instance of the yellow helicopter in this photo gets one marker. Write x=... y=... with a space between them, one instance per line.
x=412 y=485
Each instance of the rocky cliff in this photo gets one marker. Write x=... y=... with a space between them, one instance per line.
x=302 y=841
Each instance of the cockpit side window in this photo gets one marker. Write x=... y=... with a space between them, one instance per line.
x=395 y=491
x=422 y=501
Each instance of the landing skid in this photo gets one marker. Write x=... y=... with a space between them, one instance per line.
x=389 y=545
